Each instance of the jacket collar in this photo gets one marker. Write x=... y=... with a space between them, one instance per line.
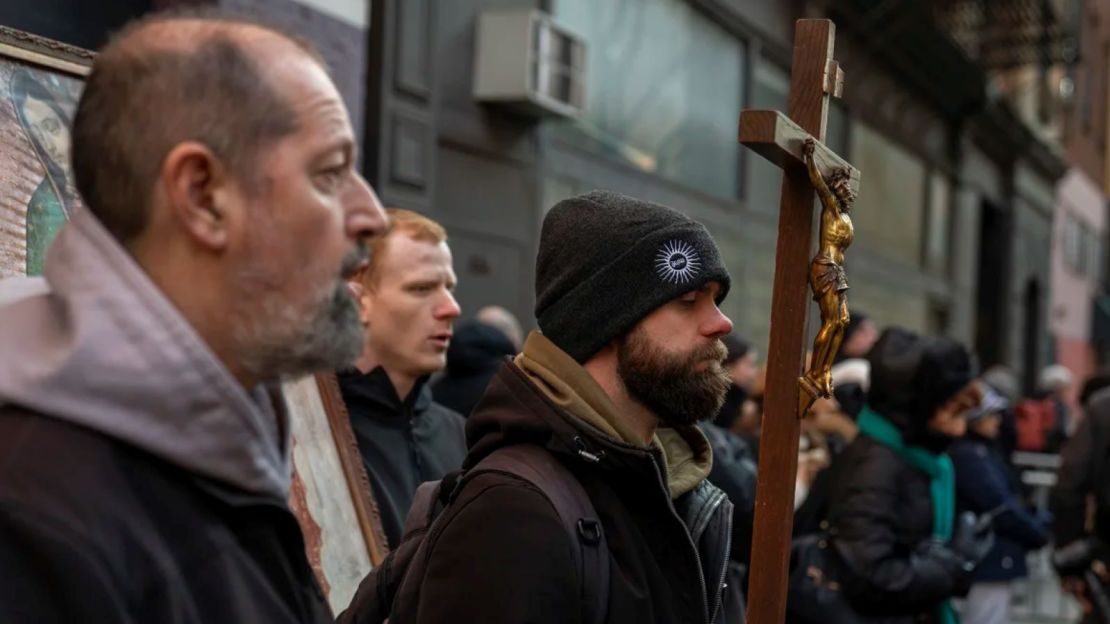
x=103 y=348
x=567 y=384
x=515 y=411
x=686 y=454
x=375 y=392
x=544 y=392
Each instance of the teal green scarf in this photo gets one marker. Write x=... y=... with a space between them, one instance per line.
x=942 y=481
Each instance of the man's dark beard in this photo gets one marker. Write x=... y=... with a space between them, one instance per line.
x=669 y=385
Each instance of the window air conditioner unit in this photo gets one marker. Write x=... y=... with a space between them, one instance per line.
x=524 y=61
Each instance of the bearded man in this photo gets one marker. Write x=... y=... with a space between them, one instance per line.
x=629 y=359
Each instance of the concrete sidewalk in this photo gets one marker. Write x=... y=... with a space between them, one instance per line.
x=1038 y=599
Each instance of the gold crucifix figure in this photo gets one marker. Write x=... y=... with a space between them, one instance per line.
x=826 y=275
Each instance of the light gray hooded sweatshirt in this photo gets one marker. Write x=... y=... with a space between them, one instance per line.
x=103 y=348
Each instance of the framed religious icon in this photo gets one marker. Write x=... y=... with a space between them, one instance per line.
x=40 y=83
x=331 y=493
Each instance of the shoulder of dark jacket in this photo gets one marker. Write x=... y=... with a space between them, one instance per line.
x=491 y=499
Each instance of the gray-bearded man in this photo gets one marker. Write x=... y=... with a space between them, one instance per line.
x=143 y=466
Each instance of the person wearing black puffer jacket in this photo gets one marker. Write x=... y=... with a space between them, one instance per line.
x=904 y=551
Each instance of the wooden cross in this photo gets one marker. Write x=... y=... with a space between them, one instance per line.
x=814 y=78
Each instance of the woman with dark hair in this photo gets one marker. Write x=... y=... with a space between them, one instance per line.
x=892 y=515
x=46 y=125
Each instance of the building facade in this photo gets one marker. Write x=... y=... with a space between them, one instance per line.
x=1080 y=315
x=954 y=219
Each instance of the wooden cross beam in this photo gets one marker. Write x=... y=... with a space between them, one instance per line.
x=773 y=136
x=814 y=78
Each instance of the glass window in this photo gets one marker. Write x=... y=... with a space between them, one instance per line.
x=770 y=90
x=664 y=89
x=889 y=214
x=836 y=130
x=938 y=228
x=1094 y=255
x=1072 y=244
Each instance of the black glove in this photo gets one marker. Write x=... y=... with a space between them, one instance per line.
x=970 y=543
x=971 y=539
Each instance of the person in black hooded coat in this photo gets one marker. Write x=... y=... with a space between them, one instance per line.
x=476 y=352
x=882 y=510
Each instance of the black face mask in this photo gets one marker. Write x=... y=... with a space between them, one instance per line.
x=929 y=439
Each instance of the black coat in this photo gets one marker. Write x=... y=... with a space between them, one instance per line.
x=1085 y=471
x=734 y=471
x=403 y=443
x=882 y=512
x=983 y=485
x=476 y=352
x=95 y=530
x=500 y=553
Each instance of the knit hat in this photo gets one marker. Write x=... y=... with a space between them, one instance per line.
x=737 y=348
x=912 y=375
x=607 y=260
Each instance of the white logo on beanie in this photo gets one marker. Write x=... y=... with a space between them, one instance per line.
x=677 y=262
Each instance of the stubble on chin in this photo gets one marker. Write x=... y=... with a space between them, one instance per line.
x=276 y=340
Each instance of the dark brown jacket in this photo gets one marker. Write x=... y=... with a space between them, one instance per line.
x=139 y=482
x=501 y=554
x=95 y=530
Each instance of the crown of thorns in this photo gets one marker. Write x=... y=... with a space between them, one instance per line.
x=840 y=183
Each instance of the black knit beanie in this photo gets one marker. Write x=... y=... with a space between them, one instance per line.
x=607 y=260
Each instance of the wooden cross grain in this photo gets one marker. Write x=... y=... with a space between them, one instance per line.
x=814 y=78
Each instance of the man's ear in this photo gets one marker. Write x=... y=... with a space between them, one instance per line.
x=362 y=300
x=608 y=352
x=199 y=190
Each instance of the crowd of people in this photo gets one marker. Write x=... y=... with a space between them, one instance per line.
x=915 y=435
x=600 y=469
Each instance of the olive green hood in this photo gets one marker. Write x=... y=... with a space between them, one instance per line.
x=686 y=452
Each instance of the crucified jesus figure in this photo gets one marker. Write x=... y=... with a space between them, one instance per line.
x=826 y=273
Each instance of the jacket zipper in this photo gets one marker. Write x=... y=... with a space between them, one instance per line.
x=414 y=453
x=689 y=540
x=724 y=569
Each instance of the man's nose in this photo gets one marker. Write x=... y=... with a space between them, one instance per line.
x=717 y=325
x=365 y=216
x=449 y=309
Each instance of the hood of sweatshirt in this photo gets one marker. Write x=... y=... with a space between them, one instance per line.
x=477 y=348
x=101 y=347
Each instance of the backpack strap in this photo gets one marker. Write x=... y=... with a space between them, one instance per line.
x=428 y=502
x=539 y=467
x=423 y=504
x=376 y=594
